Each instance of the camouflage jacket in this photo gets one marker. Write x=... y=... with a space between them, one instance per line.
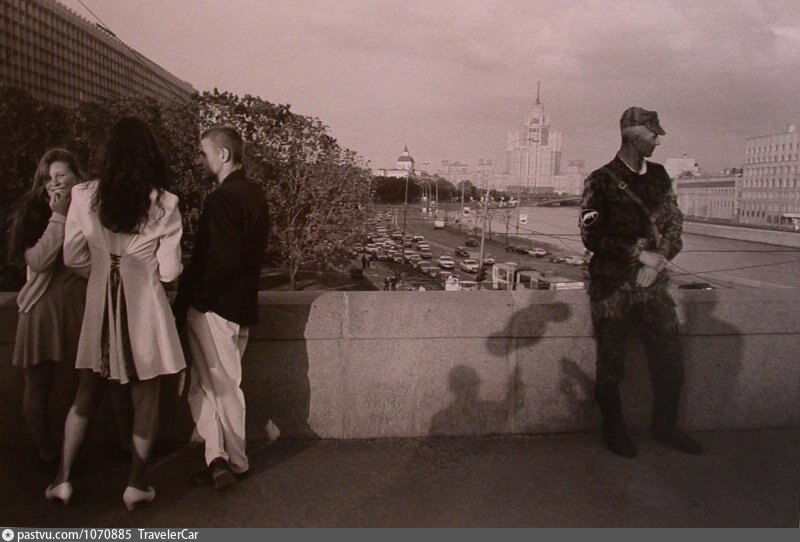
x=613 y=225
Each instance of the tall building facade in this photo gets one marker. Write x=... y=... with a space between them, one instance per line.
x=570 y=181
x=63 y=59
x=533 y=156
x=769 y=190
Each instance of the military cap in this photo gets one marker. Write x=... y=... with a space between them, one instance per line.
x=637 y=116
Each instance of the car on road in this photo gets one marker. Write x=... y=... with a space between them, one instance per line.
x=358 y=247
x=414 y=258
x=574 y=260
x=434 y=271
x=426 y=253
x=397 y=236
x=446 y=262
x=371 y=248
x=555 y=258
x=444 y=275
x=397 y=257
x=517 y=249
x=537 y=252
x=471 y=242
x=696 y=286
x=418 y=238
x=470 y=266
x=488 y=259
x=423 y=267
x=462 y=251
x=422 y=245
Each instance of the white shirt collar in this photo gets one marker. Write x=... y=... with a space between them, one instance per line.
x=639 y=172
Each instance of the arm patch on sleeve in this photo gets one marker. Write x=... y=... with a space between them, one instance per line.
x=589 y=217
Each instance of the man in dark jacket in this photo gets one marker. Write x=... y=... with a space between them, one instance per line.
x=631 y=222
x=218 y=300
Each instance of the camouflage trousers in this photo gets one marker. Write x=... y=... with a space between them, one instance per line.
x=651 y=312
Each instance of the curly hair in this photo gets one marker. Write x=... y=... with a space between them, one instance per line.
x=131 y=167
x=32 y=211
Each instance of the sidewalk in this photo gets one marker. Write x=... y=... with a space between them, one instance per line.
x=745 y=479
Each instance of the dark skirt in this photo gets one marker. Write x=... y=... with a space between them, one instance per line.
x=50 y=330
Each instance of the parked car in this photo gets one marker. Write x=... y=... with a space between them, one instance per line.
x=555 y=258
x=471 y=242
x=488 y=259
x=470 y=266
x=516 y=249
x=462 y=251
x=696 y=286
x=446 y=262
x=434 y=271
x=426 y=253
x=574 y=260
x=537 y=252
x=423 y=266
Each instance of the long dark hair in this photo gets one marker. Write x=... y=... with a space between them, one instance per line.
x=33 y=208
x=131 y=167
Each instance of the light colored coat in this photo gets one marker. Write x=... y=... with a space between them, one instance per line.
x=146 y=259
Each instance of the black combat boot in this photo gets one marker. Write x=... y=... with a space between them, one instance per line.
x=615 y=435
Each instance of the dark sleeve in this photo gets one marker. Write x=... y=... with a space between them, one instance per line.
x=672 y=228
x=220 y=226
x=594 y=222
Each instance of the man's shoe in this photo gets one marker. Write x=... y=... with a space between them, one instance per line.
x=221 y=474
x=618 y=441
x=679 y=441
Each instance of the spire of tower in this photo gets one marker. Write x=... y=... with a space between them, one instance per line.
x=538 y=88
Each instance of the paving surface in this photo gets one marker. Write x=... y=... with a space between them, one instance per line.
x=745 y=479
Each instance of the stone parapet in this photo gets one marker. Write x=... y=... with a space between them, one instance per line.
x=405 y=364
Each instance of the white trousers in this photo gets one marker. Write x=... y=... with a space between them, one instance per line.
x=216 y=400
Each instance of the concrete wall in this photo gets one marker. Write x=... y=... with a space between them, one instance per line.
x=773 y=237
x=394 y=364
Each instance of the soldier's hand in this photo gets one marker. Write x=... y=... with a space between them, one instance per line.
x=653 y=259
x=646 y=277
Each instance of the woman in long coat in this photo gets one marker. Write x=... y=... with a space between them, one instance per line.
x=128 y=227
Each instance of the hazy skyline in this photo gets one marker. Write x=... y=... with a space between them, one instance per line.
x=451 y=78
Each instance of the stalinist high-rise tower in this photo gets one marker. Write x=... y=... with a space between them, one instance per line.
x=533 y=156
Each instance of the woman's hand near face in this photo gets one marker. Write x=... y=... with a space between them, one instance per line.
x=60 y=200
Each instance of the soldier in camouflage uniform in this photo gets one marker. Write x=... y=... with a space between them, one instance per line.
x=631 y=222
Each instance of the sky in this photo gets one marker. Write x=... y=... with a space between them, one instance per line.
x=451 y=78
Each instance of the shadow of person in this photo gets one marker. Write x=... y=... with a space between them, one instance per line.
x=717 y=360
x=526 y=327
x=467 y=414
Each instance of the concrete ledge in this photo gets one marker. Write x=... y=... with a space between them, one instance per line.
x=743 y=233
x=393 y=364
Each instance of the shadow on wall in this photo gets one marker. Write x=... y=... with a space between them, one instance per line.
x=720 y=360
x=275 y=376
x=467 y=414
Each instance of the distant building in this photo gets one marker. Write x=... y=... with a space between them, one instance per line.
x=454 y=171
x=681 y=167
x=533 y=156
x=403 y=168
x=571 y=180
x=62 y=59
x=769 y=191
x=708 y=197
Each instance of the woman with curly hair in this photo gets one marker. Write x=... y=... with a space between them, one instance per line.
x=127 y=226
x=51 y=301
